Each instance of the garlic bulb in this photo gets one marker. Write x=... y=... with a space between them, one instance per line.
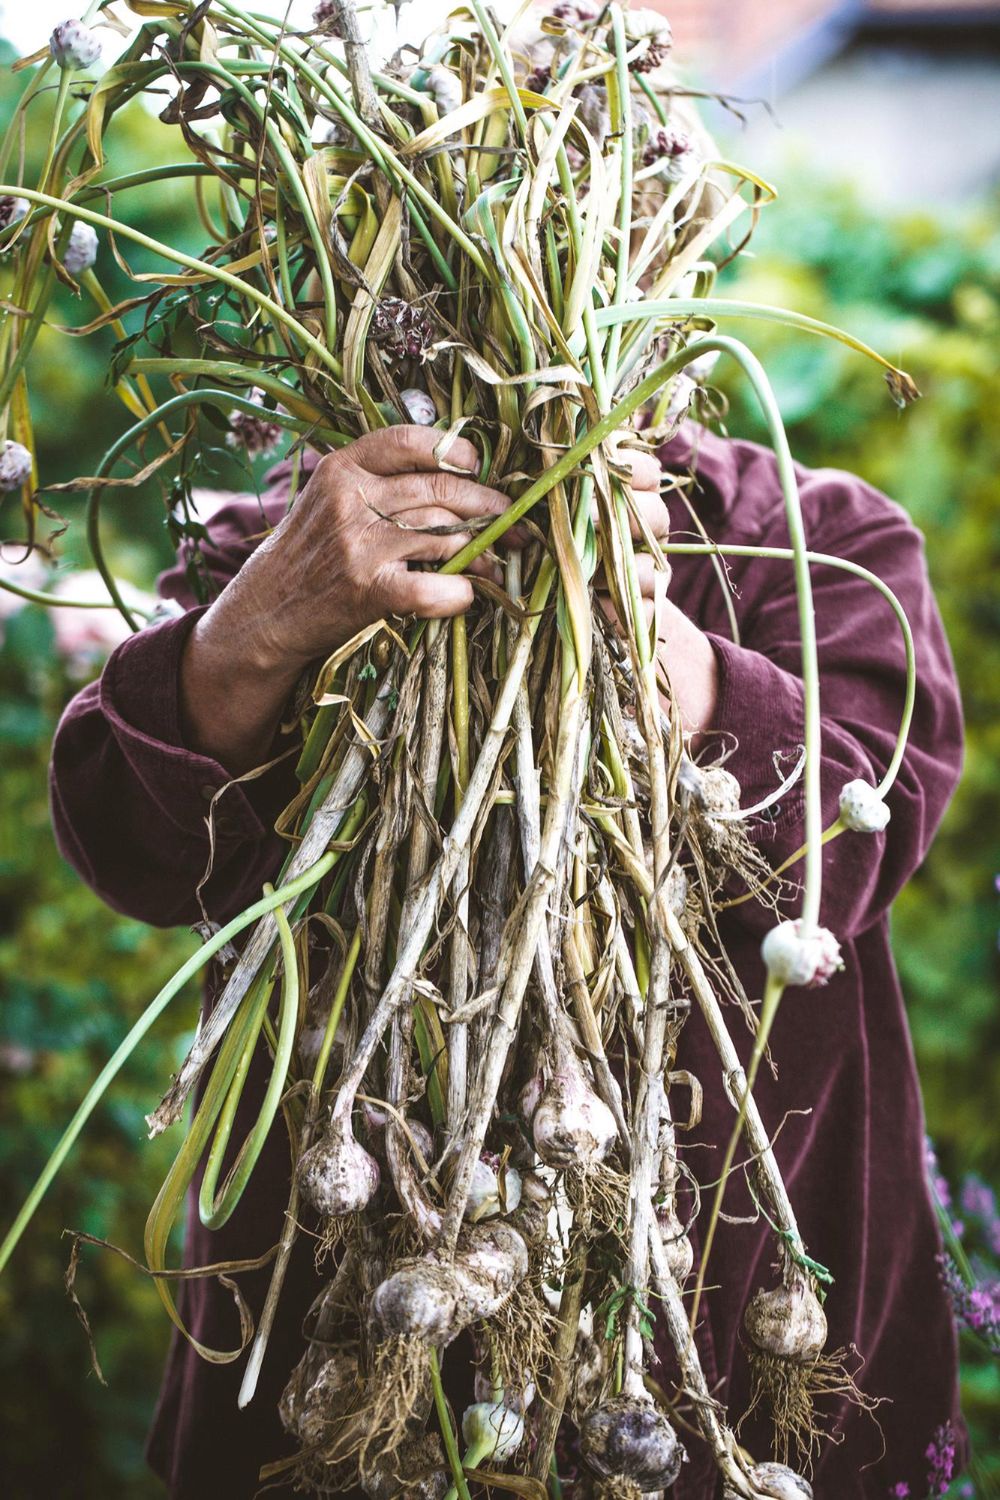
x=777 y=1481
x=792 y=958
x=631 y=1439
x=862 y=810
x=445 y=87
x=337 y=1176
x=491 y=1430
x=485 y=1198
x=309 y=1414
x=571 y=1126
x=419 y=1300
x=788 y=1322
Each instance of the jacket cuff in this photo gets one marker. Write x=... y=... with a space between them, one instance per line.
x=140 y=699
x=760 y=717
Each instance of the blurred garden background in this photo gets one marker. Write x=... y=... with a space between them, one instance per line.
x=881 y=135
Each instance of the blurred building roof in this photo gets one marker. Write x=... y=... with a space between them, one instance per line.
x=754 y=43
x=899 y=95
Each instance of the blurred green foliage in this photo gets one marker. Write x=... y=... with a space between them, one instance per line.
x=74 y=975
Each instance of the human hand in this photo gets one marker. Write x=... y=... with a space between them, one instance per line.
x=646 y=478
x=343 y=557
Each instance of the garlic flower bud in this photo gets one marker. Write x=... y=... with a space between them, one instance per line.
x=81 y=248
x=862 y=810
x=792 y=958
x=15 y=465
x=74 y=46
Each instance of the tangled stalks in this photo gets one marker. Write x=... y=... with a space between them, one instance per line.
x=506 y=235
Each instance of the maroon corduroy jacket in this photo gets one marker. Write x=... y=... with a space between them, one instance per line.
x=130 y=800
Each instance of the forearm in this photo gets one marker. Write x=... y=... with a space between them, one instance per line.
x=233 y=693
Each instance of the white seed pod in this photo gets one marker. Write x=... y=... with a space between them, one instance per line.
x=493 y=1430
x=484 y=1201
x=81 y=248
x=445 y=87
x=74 y=46
x=792 y=958
x=862 y=810
x=15 y=465
x=419 y=406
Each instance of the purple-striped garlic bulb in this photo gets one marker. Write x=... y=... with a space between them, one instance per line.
x=629 y=1438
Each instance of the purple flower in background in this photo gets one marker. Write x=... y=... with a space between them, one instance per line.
x=940 y=1456
x=940 y=1187
x=977 y=1307
x=900 y=1491
x=979 y=1203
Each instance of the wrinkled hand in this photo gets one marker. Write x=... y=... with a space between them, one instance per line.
x=343 y=557
x=347 y=554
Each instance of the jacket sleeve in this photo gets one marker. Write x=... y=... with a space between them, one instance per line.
x=130 y=801
x=862 y=684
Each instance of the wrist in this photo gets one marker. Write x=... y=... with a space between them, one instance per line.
x=232 y=646
x=689 y=660
x=232 y=694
